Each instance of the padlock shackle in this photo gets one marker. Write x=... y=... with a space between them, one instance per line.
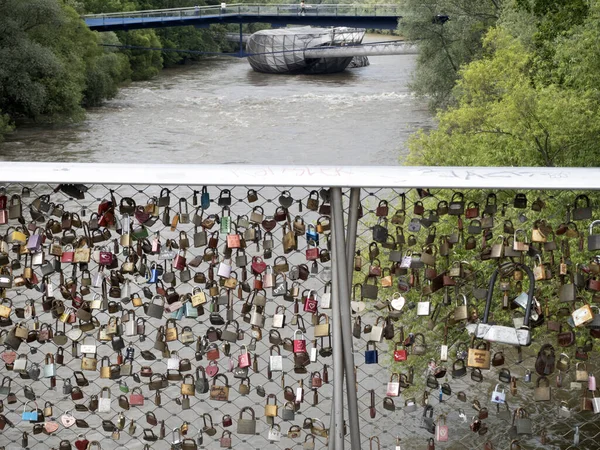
x=530 y=293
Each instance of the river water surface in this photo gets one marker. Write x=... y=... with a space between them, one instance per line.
x=221 y=111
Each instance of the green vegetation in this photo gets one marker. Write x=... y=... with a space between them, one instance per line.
x=52 y=65
x=530 y=97
x=445 y=45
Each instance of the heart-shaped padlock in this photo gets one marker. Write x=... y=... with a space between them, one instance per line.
x=269 y=224
x=398 y=302
x=74 y=334
x=285 y=199
x=358 y=306
x=212 y=369
x=9 y=357
x=67 y=419
x=51 y=427
x=81 y=443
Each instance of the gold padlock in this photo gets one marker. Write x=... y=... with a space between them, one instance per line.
x=64 y=317
x=322 y=329
x=271 y=410
x=105 y=368
x=231 y=282
x=171 y=333
x=198 y=297
x=187 y=388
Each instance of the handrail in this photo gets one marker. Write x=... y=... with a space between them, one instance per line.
x=171 y=12
x=304 y=175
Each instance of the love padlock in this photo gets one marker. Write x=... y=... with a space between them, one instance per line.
x=299 y=344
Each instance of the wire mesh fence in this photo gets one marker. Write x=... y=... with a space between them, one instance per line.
x=168 y=289
x=422 y=270
x=163 y=286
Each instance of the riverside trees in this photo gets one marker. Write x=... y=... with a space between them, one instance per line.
x=530 y=98
x=52 y=65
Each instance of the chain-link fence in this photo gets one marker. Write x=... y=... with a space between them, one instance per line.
x=430 y=299
x=197 y=250
x=181 y=289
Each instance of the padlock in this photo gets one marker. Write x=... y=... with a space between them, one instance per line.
x=299 y=343
x=104 y=400
x=393 y=387
x=498 y=396
x=275 y=360
x=461 y=311
x=49 y=366
x=271 y=409
x=441 y=429
x=542 y=392
x=246 y=426
x=371 y=354
x=400 y=354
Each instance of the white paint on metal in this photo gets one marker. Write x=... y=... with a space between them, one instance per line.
x=303 y=175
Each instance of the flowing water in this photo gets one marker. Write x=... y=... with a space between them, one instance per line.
x=221 y=111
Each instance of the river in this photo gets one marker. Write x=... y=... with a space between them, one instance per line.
x=220 y=111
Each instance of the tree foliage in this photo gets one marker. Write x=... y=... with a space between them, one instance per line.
x=445 y=45
x=52 y=65
x=512 y=110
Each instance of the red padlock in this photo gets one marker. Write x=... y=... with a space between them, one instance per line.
x=180 y=261
x=68 y=254
x=310 y=304
x=312 y=254
x=258 y=282
x=400 y=355
x=105 y=258
x=299 y=344
x=227 y=421
x=244 y=358
x=258 y=265
x=82 y=443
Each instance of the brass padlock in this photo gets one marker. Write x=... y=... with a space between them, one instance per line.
x=171 y=333
x=271 y=409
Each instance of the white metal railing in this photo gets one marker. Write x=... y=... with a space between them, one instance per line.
x=305 y=175
x=335 y=177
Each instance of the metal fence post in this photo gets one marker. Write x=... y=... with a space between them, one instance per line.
x=336 y=427
x=344 y=318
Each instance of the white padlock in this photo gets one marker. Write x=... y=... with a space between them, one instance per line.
x=224 y=270
x=173 y=361
x=104 y=401
x=49 y=366
x=499 y=396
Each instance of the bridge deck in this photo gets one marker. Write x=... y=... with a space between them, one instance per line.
x=361 y=16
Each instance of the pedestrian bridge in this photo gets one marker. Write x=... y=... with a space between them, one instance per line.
x=360 y=16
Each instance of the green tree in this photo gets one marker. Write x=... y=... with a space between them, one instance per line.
x=5 y=124
x=50 y=63
x=109 y=66
x=502 y=118
x=445 y=45
x=145 y=64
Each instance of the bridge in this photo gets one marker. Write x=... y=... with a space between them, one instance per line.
x=384 y=17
